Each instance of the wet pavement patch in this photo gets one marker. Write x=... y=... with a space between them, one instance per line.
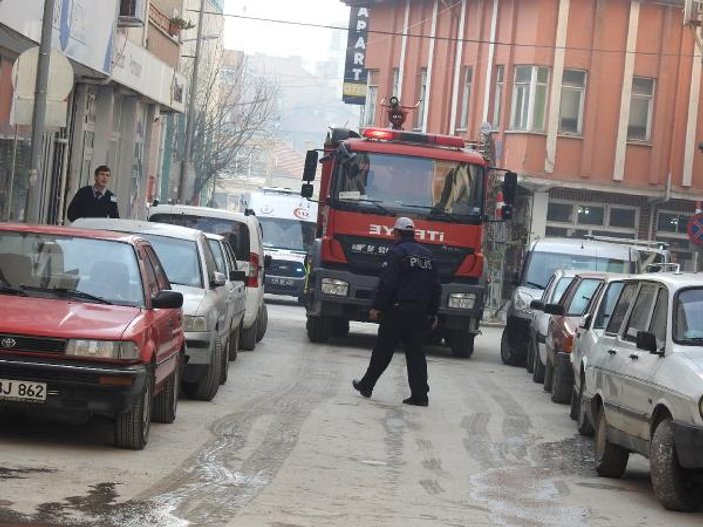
x=22 y=473
x=572 y=456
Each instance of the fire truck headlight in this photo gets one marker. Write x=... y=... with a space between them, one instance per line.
x=332 y=286
x=462 y=300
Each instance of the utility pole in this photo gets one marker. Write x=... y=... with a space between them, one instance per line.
x=187 y=164
x=35 y=184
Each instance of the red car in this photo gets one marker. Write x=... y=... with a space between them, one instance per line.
x=88 y=325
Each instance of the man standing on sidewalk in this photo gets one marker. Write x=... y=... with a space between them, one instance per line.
x=406 y=303
x=94 y=201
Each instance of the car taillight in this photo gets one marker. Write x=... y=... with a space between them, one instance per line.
x=253 y=277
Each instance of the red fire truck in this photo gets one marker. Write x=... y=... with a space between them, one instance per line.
x=367 y=181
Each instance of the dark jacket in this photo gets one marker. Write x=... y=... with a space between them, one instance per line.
x=408 y=276
x=85 y=205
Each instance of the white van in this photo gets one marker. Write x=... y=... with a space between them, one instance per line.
x=289 y=222
x=244 y=234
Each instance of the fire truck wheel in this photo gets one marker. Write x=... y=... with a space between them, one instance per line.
x=462 y=343
x=318 y=329
x=340 y=327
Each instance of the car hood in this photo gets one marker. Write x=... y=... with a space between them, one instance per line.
x=61 y=318
x=694 y=359
x=192 y=298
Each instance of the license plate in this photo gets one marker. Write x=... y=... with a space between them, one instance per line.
x=25 y=391
x=281 y=281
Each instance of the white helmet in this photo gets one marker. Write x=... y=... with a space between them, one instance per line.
x=404 y=224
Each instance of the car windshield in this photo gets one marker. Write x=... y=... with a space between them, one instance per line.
x=688 y=317
x=394 y=183
x=82 y=269
x=236 y=232
x=179 y=258
x=541 y=266
x=282 y=233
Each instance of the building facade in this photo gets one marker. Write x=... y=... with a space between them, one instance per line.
x=595 y=103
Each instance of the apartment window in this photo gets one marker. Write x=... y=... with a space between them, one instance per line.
x=590 y=215
x=396 y=82
x=573 y=95
x=624 y=218
x=498 y=96
x=463 y=123
x=422 y=97
x=576 y=219
x=672 y=222
x=530 y=98
x=369 y=115
x=640 y=125
x=559 y=212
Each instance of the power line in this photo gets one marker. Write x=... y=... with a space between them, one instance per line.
x=450 y=39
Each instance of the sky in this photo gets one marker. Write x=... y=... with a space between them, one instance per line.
x=284 y=40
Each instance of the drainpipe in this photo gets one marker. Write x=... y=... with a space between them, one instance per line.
x=656 y=202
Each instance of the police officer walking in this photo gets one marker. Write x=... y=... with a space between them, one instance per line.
x=406 y=303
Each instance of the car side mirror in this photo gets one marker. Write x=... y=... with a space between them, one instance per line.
x=267 y=261
x=310 y=170
x=509 y=188
x=648 y=342
x=537 y=305
x=167 y=300
x=554 y=309
x=586 y=321
x=237 y=276
x=218 y=279
x=307 y=190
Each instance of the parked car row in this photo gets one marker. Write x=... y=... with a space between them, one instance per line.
x=114 y=317
x=627 y=352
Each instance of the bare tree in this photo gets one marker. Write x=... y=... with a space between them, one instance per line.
x=233 y=104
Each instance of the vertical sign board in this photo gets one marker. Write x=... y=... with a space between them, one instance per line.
x=355 y=74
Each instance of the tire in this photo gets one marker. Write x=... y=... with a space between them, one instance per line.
x=673 y=484
x=166 y=402
x=548 y=376
x=132 y=427
x=224 y=369
x=318 y=329
x=247 y=338
x=610 y=459
x=538 y=370
x=507 y=354
x=233 y=348
x=462 y=344
x=339 y=327
x=530 y=359
x=206 y=388
x=262 y=323
x=560 y=389
x=583 y=425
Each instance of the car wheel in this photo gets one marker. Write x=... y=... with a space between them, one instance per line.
x=206 y=388
x=340 y=327
x=318 y=329
x=561 y=389
x=530 y=359
x=538 y=368
x=611 y=459
x=673 y=485
x=263 y=323
x=461 y=343
x=583 y=425
x=507 y=354
x=166 y=402
x=224 y=369
x=233 y=348
x=548 y=376
x=247 y=340
x=132 y=427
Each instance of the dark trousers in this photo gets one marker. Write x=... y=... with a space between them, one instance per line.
x=406 y=324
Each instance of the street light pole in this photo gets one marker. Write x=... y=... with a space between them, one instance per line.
x=187 y=164
x=35 y=184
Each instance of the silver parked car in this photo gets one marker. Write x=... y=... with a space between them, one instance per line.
x=192 y=270
x=644 y=385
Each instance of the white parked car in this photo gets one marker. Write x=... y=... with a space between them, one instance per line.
x=192 y=270
x=243 y=232
x=644 y=385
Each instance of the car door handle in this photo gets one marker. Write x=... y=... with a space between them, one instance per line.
x=612 y=351
x=634 y=356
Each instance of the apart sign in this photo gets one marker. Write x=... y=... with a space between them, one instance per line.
x=355 y=73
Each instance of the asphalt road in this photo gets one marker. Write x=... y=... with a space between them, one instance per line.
x=287 y=442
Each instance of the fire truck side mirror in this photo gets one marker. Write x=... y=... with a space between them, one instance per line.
x=307 y=190
x=509 y=188
x=311 y=159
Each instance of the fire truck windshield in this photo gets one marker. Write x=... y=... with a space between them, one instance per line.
x=396 y=183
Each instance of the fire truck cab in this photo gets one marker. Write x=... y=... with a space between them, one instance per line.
x=367 y=181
